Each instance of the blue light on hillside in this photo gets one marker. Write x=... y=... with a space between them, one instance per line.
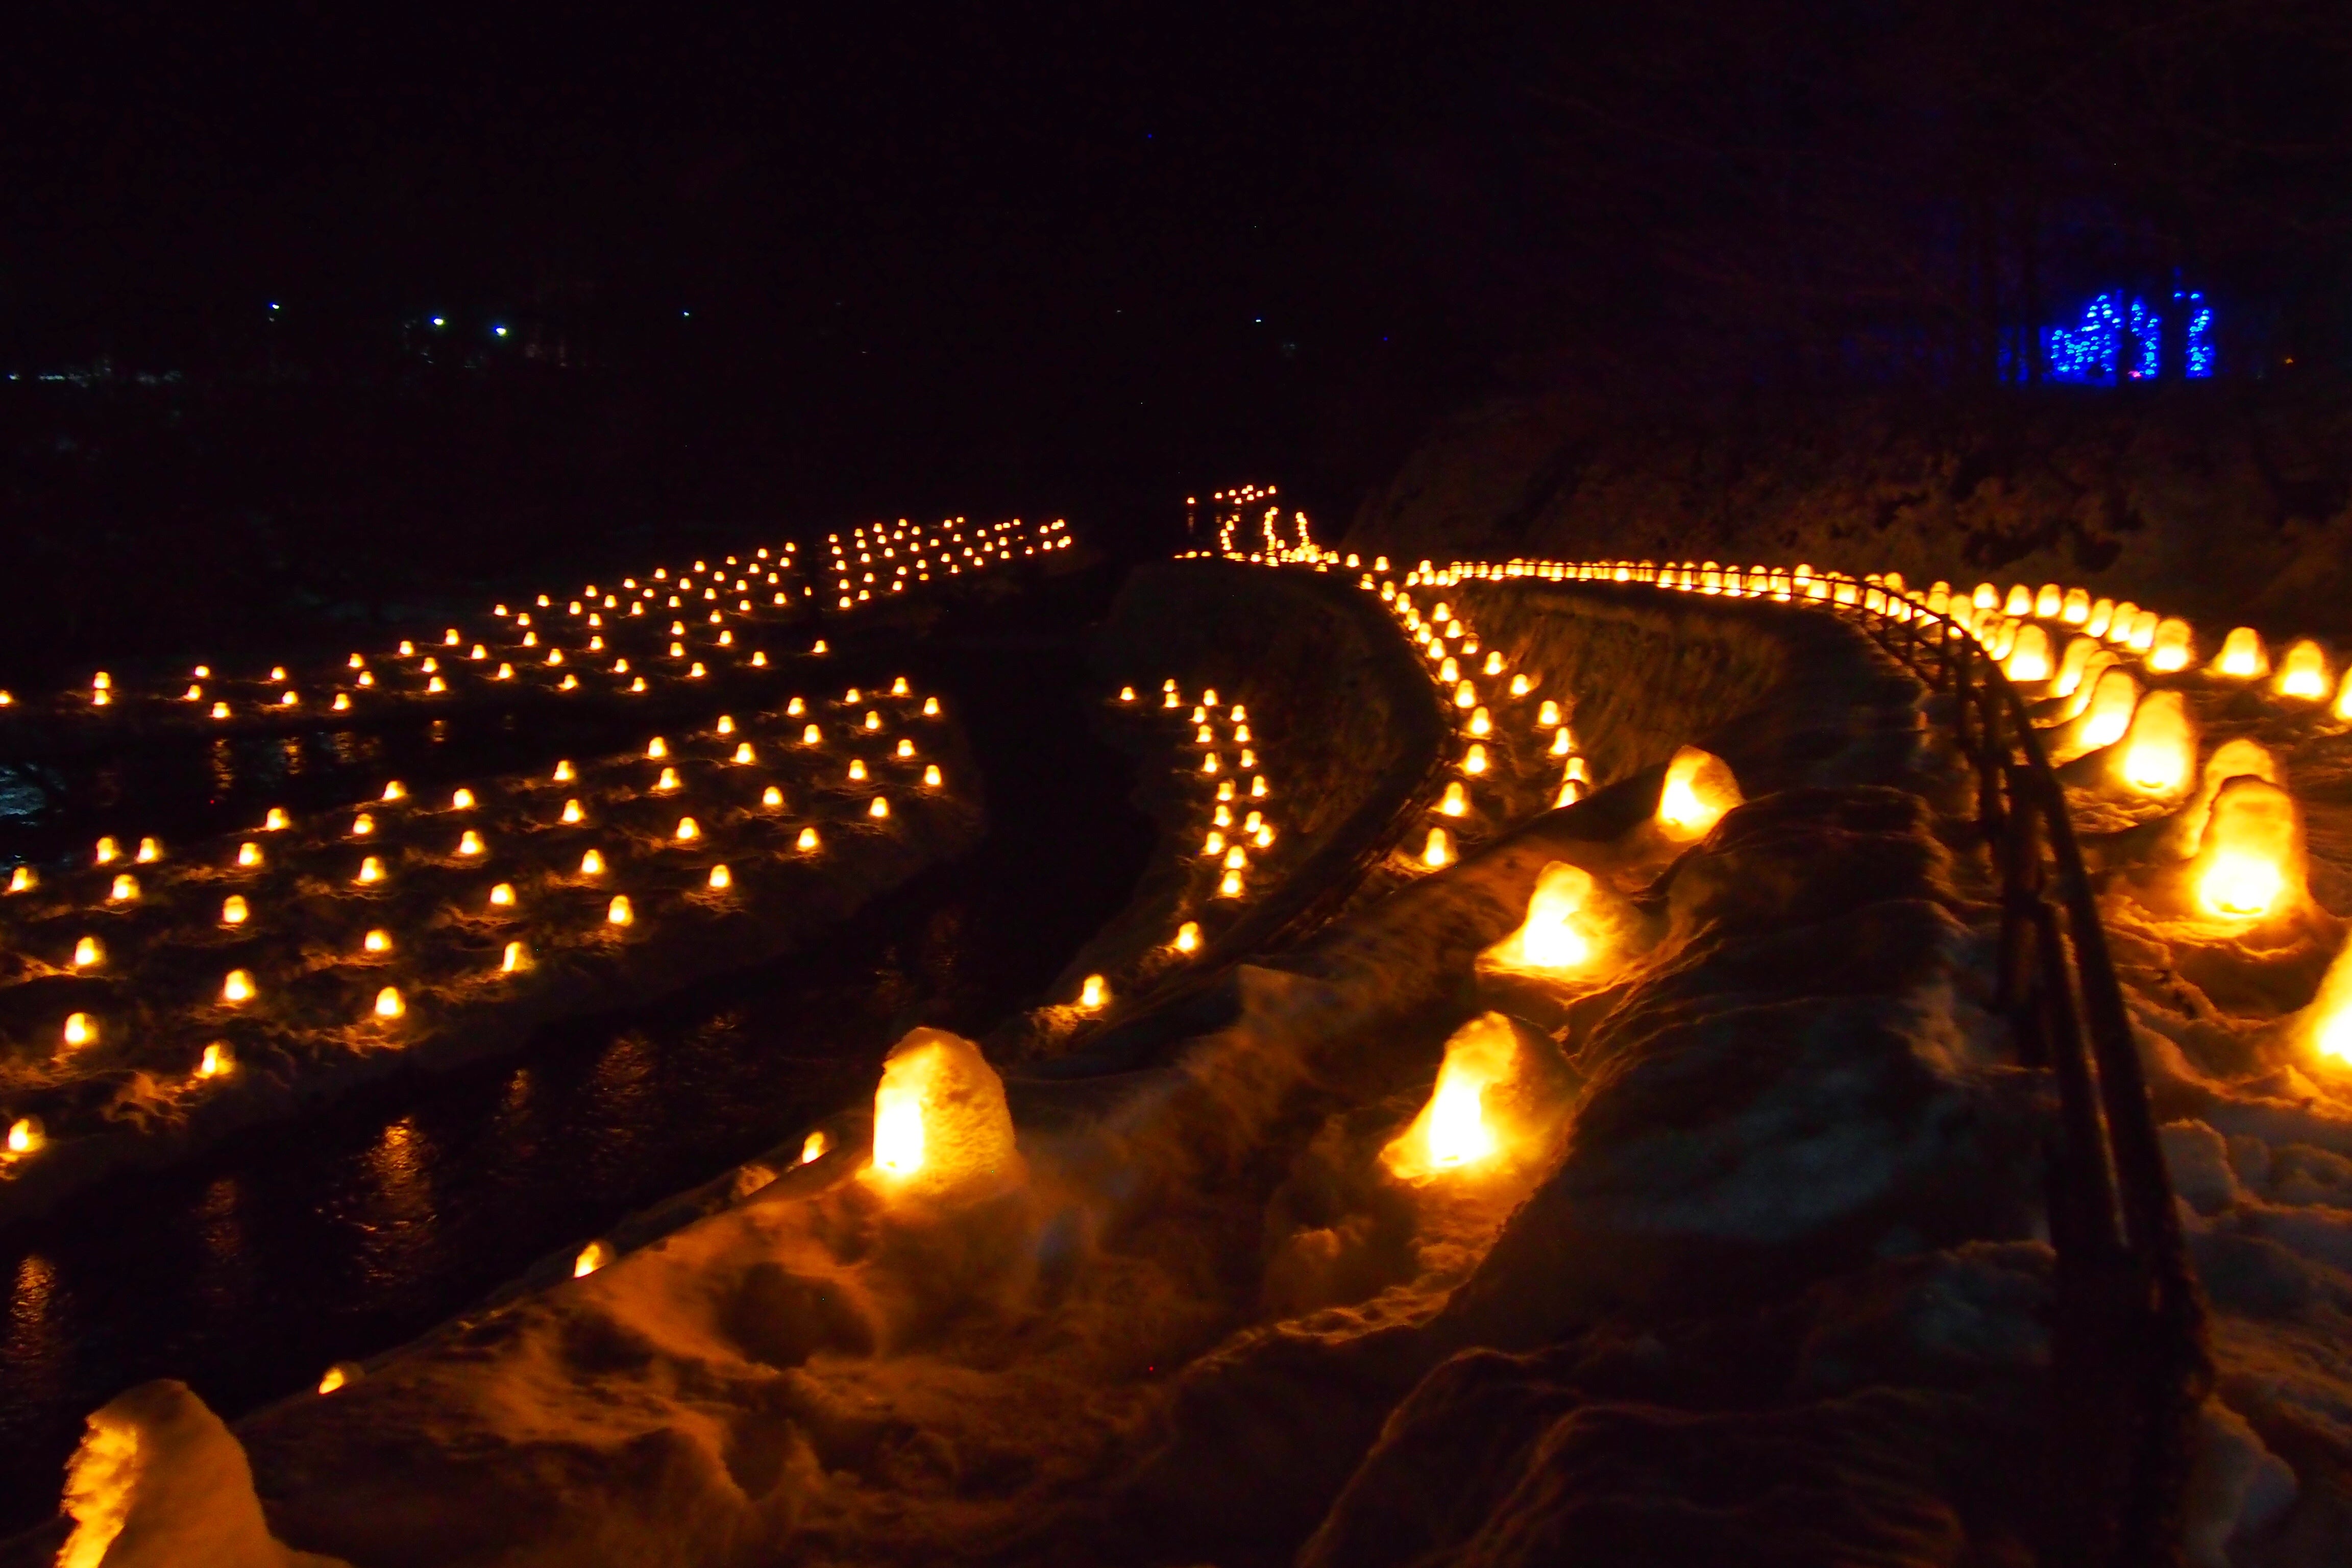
x=2120 y=339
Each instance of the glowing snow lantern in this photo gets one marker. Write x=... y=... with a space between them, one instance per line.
x=235 y=912
x=2160 y=748
x=1188 y=937
x=370 y=868
x=1473 y=761
x=619 y=912
x=1230 y=885
x=2304 y=671
x=237 y=987
x=81 y=1029
x=1493 y=665
x=931 y=707
x=667 y=783
x=2171 y=647
x=1453 y=1131
x=2029 y=657
x=23 y=880
x=687 y=828
x=1456 y=801
x=657 y=748
x=218 y=1061
x=880 y=809
x=377 y=941
x=1466 y=696
x=248 y=853
x=1548 y=716
x=2242 y=656
x=150 y=851
x=2108 y=715
x=940 y=1116
x=470 y=843
x=932 y=778
x=1551 y=937
x=1699 y=788
x=502 y=895
x=592 y=864
x=2048 y=601
x=2019 y=601
x=772 y=795
x=86 y=954
x=24 y=1135
x=2072 y=665
x=108 y=851
x=1093 y=995
x=807 y=840
x=125 y=890
x=2075 y=609
x=592 y=1256
x=563 y=773
x=396 y=790
x=220 y=709
x=1437 y=850
x=2252 y=859
x=722 y=878
x=1481 y=722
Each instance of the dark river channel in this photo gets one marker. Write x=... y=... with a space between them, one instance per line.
x=248 y=1270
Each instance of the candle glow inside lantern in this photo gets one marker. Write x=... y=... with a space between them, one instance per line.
x=2251 y=861
x=619 y=911
x=2158 y=750
x=1699 y=789
x=1188 y=937
x=377 y=941
x=1456 y=801
x=24 y=1135
x=218 y=1061
x=1455 y=1131
x=1437 y=850
x=235 y=910
x=86 y=954
x=80 y=1029
x=237 y=987
x=2107 y=715
x=125 y=890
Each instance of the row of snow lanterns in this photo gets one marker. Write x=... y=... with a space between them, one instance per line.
x=909 y=553
x=1229 y=837
x=238 y=986
x=765 y=562
x=1452 y=645
x=2237 y=827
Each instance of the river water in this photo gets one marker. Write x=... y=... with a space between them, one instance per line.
x=246 y=1272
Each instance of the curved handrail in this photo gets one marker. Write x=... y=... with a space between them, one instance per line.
x=2131 y=1362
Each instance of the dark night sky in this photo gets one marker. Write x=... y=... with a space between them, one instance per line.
x=1105 y=200
x=1062 y=258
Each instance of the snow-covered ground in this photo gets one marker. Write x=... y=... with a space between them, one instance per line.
x=476 y=912
x=1751 y=1268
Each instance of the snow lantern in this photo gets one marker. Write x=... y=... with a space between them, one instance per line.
x=940 y=1117
x=2252 y=862
x=2029 y=655
x=2303 y=672
x=2172 y=646
x=2242 y=656
x=1551 y=937
x=1454 y=1132
x=1698 y=789
x=2160 y=747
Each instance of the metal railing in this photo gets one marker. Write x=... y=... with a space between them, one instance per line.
x=2131 y=1364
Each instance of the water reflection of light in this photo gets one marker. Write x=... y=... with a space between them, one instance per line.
x=39 y=1351
x=398 y=1217
x=290 y=750
x=225 y=1276
x=223 y=761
